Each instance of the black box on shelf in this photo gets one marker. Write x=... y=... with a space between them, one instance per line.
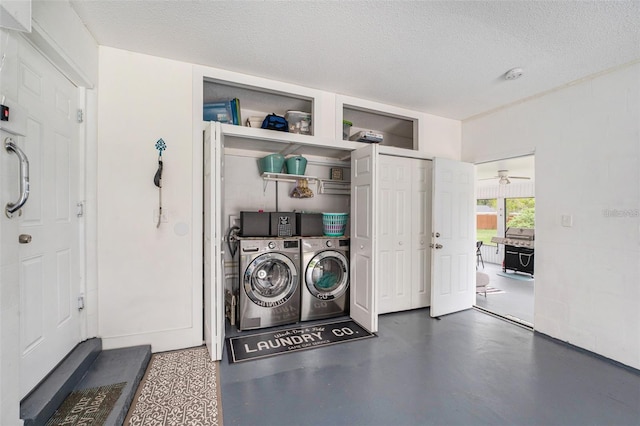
x=309 y=224
x=254 y=224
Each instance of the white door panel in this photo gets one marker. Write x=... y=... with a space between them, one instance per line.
x=213 y=235
x=394 y=233
x=421 y=231
x=49 y=265
x=452 y=287
x=363 y=280
x=404 y=224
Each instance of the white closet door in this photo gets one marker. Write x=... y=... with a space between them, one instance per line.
x=363 y=286
x=420 y=233
x=394 y=233
x=213 y=234
x=452 y=284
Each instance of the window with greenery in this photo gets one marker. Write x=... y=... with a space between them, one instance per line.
x=487 y=220
x=520 y=212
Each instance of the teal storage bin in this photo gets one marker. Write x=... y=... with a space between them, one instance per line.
x=296 y=165
x=272 y=163
x=217 y=111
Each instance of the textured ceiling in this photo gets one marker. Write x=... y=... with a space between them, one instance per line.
x=446 y=58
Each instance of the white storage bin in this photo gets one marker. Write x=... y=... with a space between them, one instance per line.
x=299 y=122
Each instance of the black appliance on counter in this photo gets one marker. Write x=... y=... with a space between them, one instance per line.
x=267 y=224
x=518 y=249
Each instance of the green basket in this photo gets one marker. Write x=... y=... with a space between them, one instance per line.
x=334 y=224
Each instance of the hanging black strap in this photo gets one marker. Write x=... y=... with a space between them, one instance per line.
x=157 y=179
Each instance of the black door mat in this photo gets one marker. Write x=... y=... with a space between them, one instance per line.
x=298 y=338
x=87 y=406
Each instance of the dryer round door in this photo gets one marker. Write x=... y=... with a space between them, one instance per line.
x=327 y=275
x=270 y=280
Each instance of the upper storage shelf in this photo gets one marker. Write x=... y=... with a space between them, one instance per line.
x=284 y=143
x=398 y=126
x=259 y=97
x=260 y=101
x=256 y=101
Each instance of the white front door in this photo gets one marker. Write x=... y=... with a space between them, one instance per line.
x=453 y=237
x=213 y=254
x=363 y=286
x=49 y=267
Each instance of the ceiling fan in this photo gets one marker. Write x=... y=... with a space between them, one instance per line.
x=504 y=178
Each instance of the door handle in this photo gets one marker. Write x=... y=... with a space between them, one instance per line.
x=24 y=238
x=438 y=246
x=11 y=208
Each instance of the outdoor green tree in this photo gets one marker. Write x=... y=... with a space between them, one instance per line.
x=524 y=219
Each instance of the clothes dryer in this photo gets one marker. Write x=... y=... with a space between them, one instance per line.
x=269 y=292
x=325 y=269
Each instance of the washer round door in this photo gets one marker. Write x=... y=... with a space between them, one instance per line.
x=327 y=275
x=270 y=280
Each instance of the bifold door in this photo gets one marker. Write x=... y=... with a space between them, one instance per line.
x=364 y=292
x=452 y=242
x=213 y=234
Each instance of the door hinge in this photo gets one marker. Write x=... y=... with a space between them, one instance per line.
x=80 y=211
x=81 y=302
x=80 y=116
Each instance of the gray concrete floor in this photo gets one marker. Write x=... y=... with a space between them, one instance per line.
x=467 y=368
x=517 y=300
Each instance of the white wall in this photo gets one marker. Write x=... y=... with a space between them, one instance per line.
x=587 y=147
x=59 y=32
x=441 y=137
x=149 y=284
x=245 y=190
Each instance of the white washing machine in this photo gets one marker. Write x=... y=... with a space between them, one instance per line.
x=325 y=282
x=269 y=292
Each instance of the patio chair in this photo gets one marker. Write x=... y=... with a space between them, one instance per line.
x=482 y=281
x=479 y=255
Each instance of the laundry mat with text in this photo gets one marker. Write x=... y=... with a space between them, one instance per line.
x=308 y=336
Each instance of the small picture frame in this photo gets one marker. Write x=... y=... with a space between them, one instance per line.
x=336 y=173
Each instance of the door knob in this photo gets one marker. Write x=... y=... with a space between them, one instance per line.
x=24 y=238
x=438 y=246
x=437 y=234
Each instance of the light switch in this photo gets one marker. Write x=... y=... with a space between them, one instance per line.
x=567 y=220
